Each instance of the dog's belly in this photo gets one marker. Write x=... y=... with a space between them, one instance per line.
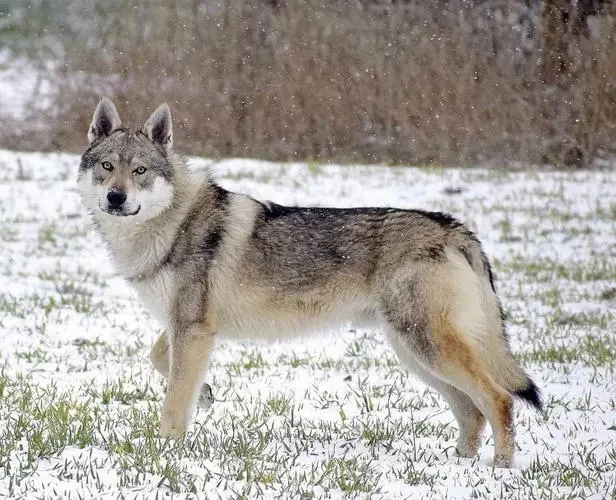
x=276 y=320
x=248 y=313
x=254 y=326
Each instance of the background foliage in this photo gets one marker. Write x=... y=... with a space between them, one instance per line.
x=451 y=82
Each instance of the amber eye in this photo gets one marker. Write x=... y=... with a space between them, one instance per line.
x=140 y=170
x=107 y=165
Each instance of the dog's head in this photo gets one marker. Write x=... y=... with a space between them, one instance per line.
x=125 y=173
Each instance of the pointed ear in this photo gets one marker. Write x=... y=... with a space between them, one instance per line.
x=105 y=120
x=159 y=128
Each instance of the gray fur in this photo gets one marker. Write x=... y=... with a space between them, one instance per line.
x=105 y=120
x=208 y=262
x=128 y=146
x=158 y=127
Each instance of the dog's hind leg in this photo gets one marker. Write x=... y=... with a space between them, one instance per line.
x=459 y=375
x=471 y=421
x=461 y=366
x=159 y=355
x=421 y=308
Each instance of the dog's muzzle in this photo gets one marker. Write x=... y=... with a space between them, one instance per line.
x=115 y=205
x=116 y=198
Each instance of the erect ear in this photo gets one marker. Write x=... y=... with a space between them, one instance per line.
x=158 y=127
x=105 y=120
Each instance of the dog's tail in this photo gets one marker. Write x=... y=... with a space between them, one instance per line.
x=510 y=375
x=530 y=394
x=506 y=370
x=494 y=343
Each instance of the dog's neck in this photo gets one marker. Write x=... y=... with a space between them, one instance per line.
x=139 y=248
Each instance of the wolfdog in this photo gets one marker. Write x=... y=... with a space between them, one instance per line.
x=212 y=263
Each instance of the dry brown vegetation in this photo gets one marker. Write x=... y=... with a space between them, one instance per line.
x=334 y=81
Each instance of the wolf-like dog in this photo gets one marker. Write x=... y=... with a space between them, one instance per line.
x=209 y=263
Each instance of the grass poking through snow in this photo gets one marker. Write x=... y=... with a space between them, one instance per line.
x=330 y=417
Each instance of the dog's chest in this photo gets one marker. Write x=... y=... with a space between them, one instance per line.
x=157 y=295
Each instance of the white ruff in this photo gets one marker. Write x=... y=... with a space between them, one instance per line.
x=140 y=243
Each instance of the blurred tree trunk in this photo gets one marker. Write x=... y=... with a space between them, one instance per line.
x=556 y=37
x=564 y=22
x=563 y=60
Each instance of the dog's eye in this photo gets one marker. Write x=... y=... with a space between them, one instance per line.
x=139 y=171
x=107 y=165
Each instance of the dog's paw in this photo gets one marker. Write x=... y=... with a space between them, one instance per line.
x=503 y=461
x=465 y=452
x=206 y=397
x=172 y=426
x=464 y=449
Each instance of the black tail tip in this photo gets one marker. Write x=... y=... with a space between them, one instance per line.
x=531 y=394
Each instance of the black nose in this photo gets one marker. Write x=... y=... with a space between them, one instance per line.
x=115 y=197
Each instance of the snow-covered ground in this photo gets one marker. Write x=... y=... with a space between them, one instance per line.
x=333 y=416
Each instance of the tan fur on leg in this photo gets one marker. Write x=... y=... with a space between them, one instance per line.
x=471 y=421
x=463 y=368
x=189 y=355
x=159 y=355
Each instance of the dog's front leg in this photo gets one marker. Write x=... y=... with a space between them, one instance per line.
x=190 y=348
x=159 y=355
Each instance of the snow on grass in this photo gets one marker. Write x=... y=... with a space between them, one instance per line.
x=334 y=416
